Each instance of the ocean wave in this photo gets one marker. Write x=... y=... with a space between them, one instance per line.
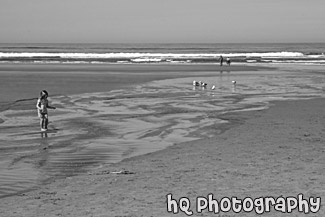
x=299 y=61
x=146 y=60
x=159 y=57
x=154 y=55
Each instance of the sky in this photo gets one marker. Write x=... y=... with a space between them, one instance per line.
x=162 y=21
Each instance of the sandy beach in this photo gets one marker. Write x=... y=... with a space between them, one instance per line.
x=162 y=108
x=262 y=138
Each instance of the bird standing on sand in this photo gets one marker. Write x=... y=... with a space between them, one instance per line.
x=195 y=83
x=203 y=84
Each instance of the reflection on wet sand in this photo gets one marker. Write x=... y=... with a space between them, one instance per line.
x=90 y=130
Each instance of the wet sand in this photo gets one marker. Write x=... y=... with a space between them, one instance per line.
x=103 y=115
x=274 y=152
x=24 y=81
x=259 y=153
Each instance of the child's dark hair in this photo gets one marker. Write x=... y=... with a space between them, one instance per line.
x=44 y=93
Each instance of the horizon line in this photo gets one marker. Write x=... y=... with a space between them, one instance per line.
x=162 y=42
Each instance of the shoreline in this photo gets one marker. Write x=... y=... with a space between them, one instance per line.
x=135 y=67
x=24 y=81
x=244 y=160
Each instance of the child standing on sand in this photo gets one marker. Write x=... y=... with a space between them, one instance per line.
x=42 y=106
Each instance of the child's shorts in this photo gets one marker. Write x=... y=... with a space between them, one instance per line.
x=42 y=115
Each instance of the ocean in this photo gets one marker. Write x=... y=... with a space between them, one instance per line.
x=272 y=53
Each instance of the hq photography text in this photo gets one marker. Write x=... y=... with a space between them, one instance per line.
x=258 y=205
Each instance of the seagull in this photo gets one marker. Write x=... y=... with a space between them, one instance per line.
x=234 y=82
x=195 y=83
x=213 y=87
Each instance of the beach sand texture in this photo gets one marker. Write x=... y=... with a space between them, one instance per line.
x=224 y=142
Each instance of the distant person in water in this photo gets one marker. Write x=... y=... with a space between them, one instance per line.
x=221 y=60
x=228 y=61
x=42 y=105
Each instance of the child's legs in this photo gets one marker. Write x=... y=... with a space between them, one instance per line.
x=44 y=121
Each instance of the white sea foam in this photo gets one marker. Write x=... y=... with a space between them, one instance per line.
x=172 y=56
x=154 y=55
x=146 y=60
x=299 y=61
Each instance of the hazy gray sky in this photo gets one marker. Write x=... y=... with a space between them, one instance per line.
x=143 y=21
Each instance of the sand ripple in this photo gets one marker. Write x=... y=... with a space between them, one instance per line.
x=94 y=129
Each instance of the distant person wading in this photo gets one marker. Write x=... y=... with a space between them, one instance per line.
x=228 y=61
x=221 y=60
